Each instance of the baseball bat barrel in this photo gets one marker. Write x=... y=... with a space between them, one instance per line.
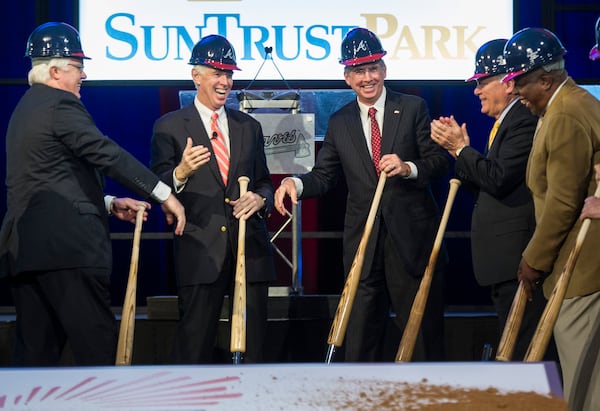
x=543 y=333
x=411 y=331
x=238 y=315
x=127 y=328
x=342 y=314
x=506 y=347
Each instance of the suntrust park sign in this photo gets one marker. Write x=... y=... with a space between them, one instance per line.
x=153 y=39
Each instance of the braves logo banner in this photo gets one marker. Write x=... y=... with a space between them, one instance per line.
x=289 y=142
x=153 y=39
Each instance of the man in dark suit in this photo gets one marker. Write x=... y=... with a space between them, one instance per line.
x=55 y=240
x=406 y=224
x=503 y=218
x=201 y=159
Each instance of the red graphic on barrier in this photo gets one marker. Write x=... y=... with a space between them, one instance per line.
x=155 y=391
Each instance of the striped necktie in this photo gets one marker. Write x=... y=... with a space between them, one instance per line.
x=219 y=147
x=375 y=139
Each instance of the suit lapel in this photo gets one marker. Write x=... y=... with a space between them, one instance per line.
x=196 y=130
x=236 y=138
x=391 y=122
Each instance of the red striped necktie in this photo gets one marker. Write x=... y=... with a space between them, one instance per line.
x=219 y=147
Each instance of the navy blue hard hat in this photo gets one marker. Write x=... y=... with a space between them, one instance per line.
x=54 y=39
x=361 y=46
x=214 y=51
x=531 y=48
x=489 y=60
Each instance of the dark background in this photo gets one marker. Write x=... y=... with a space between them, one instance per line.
x=127 y=111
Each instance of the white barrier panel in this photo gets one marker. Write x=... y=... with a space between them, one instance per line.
x=283 y=387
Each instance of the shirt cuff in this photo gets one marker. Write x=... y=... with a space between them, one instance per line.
x=178 y=184
x=108 y=203
x=161 y=192
x=298 y=183
x=414 y=172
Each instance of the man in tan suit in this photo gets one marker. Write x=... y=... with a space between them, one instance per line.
x=560 y=175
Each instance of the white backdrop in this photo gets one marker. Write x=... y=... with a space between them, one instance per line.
x=152 y=39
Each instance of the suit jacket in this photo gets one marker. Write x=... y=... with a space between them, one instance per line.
x=211 y=227
x=56 y=157
x=560 y=175
x=407 y=206
x=503 y=218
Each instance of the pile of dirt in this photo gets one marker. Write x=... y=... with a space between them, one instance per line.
x=373 y=395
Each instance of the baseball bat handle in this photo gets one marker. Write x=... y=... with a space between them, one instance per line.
x=238 y=315
x=543 y=333
x=342 y=314
x=506 y=346
x=411 y=331
x=127 y=327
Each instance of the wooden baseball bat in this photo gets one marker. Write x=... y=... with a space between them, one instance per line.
x=127 y=328
x=506 y=347
x=411 y=331
x=238 y=314
x=342 y=313
x=541 y=337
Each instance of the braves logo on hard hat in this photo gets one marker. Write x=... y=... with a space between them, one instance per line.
x=362 y=46
x=532 y=56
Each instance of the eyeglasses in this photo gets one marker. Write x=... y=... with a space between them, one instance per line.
x=362 y=70
x=77 y=66
x=482 y=82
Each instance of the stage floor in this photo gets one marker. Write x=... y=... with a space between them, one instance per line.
x=298 y=328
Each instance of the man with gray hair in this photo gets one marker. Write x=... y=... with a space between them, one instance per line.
x=560 y=175
x=54 y=242
x=200 y=151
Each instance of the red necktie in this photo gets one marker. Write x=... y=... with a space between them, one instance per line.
x=375 y=139
x=219 y=147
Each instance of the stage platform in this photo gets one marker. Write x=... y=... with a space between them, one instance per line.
x=298 y=328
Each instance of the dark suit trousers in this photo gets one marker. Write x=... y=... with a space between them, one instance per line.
x=199 y=313
x=65 y=305
x=389 y=284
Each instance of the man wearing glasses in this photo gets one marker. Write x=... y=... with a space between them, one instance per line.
x=381 y=131
x=55 y=242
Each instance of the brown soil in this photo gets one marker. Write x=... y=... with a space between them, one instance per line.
x=388 y=395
